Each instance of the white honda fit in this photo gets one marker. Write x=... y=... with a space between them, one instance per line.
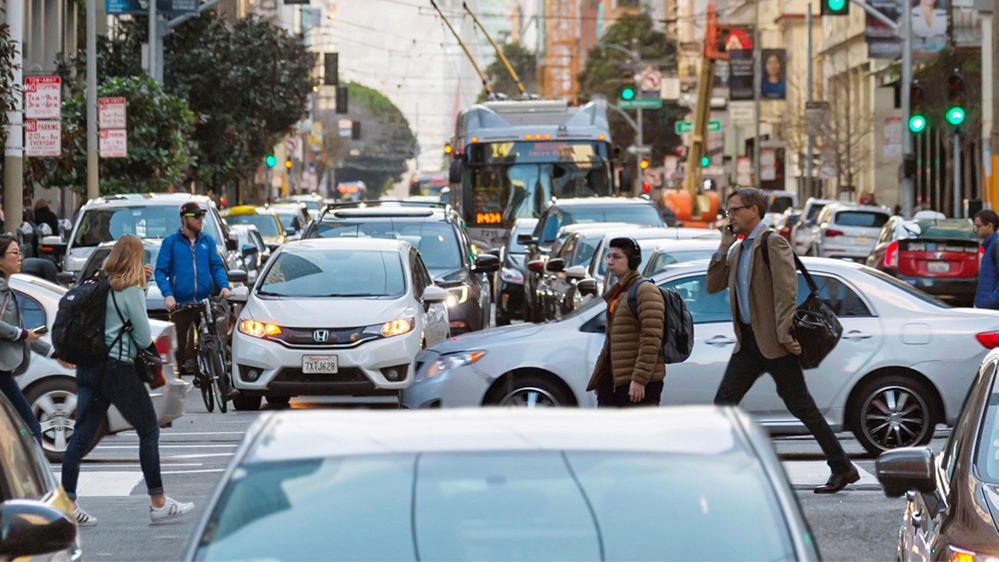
x=335 y=316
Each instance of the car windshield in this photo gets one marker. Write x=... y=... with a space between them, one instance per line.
x=500 y=506
x=436 y=241
x=334 y=273
x=632 y=214
x=145 y=221
x=663 y=259
x=987 y=452
x=265 y=224
x=289 y=220
x=905 y=287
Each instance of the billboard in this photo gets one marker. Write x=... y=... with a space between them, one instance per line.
x=930 y=29
x=169 y=8
x=773 y=82
x=739 y=46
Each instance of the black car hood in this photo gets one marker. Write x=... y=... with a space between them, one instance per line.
x=448 y=277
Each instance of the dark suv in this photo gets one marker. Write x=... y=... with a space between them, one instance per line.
x=560 y=213
x=436 y=230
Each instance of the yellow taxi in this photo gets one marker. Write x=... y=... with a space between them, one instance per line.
x=266 y=221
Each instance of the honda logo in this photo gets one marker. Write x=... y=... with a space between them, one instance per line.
x=938 y=255
x=320 y=336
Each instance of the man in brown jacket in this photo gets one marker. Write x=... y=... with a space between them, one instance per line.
x=630 y=369
x=763 y=303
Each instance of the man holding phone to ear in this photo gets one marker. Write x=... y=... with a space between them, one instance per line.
x=762 y=300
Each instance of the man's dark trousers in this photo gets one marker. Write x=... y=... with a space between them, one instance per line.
x=610 y=397
x=748 y=364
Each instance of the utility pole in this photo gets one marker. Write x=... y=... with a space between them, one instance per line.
x=91 y=100
x=13 y=162
x=636 y=58
x=151 y=61
x=958 y=192
x=908 y=154
x=756 y=92
x=994 y=140
x=808 y=143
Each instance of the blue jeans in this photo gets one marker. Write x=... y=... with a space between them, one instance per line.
x=9 y=388
x=98 y=387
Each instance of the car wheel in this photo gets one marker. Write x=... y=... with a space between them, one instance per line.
x=246 y=403
x=280 y=402
x=893 y=411
x=532 y=391
x=53 y=401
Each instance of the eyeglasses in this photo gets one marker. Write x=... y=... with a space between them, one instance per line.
x=977 y=226
x=731 y=210
x=198 y=216
x=15 y=253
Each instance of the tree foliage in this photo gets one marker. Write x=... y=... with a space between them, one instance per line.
x=7 y=87
x=603 y=75
x=160 y=154
x=523 y=62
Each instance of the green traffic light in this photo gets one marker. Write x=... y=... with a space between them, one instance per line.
x=917 y=123
x=705 y=161
x=836 y=5
x=270 y=160
x=955 y=115
x=628 y=94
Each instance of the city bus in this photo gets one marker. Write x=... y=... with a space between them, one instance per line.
x=510 y=158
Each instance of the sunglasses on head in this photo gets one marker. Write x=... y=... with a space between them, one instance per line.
x=193 y=215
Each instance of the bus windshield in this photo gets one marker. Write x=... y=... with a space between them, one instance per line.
x=512 y=180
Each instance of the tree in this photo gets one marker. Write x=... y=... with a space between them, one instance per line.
x=603 y=75
x=524 y=63
x=160 y=154
x=7 y=88
x=379 y=156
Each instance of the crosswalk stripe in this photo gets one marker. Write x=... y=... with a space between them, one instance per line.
x=815 y=473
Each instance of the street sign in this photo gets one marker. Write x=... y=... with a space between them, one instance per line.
x=743 y=170
x=741 y=112
x=42 y=97
x=42 y=138
x=170 y=8
x=113 y=143
x=651 y=81
x=641 y=103
x=111 y=113
x=682 y=127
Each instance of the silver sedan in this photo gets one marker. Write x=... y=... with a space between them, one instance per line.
x=904 y=364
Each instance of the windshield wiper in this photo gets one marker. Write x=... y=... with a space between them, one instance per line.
x=269 y=294
x=355 y=295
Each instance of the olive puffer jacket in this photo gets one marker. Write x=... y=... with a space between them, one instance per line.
x=634 y=344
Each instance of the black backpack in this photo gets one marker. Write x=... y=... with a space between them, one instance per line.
x=78 y=331
x=678 y=325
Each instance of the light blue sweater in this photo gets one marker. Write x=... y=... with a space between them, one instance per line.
x=132 y=303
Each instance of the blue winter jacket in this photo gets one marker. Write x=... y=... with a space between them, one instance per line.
x=186 y=271
x=987 y=292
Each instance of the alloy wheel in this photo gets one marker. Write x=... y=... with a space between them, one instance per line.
x=530 y=397
x=56 y=411
x=895 y=416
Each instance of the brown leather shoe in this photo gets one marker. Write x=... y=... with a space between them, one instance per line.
x=839 y=481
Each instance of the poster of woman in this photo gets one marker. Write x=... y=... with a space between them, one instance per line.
x=773 y=84
x=929 y=25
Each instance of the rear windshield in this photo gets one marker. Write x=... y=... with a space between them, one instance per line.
x=334 y=273
x=947 y=228
x=436 y=241
x=814 y=210
x=266 y=225
x=153 y=221
x=632 y=214
x=861 y=218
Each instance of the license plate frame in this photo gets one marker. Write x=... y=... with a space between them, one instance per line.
x=938 y=267
x=320 y=364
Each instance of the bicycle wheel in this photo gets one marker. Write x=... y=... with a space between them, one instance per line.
x=205 y=379
x=220 y=382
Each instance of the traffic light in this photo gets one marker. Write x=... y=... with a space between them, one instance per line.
x=627 y=93
x=646 y=187
x=287 y=163
x=705 y=161
x=955 y=114
x=835 y=7
x=341 y=99
x=331 y=69
x=355 y=130
x=917 y=120
x=643 y=163
x=270 y=160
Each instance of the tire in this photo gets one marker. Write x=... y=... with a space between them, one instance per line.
x=220 y=382
x=53 y=401
x=205 y=380
x=893 y=411
x=280 y=402
x=246 y=403
x=532 y=391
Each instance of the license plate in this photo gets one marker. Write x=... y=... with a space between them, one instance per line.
x=863 y=241
x=319 y=364
x=938 y=267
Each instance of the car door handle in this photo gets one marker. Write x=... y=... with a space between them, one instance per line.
x=857 y=335
x=720 y=340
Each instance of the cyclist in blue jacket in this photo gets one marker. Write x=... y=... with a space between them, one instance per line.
x=188 y=269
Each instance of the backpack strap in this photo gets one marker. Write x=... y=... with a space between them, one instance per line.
x=126 y=325
x=633 y=294
x=992 y=249
x=797 y=263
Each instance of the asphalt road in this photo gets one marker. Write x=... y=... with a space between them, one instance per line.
x=857 y=524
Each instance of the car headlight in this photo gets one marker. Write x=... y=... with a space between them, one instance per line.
x=259 y=329
x=956 y=554
x=453 y=361
x=511 y=275
x=458 y=295
x=396 y=327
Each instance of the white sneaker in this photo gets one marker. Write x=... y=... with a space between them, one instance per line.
x=84 y=519
x=171 y=510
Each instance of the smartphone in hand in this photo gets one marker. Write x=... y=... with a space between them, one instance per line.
x=41 y=330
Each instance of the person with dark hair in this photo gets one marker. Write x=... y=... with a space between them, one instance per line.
x=16 y=342
x=44 y=215
x=762 y=299
x=987 y=291
x=630 y=369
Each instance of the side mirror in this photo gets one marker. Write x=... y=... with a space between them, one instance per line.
x=237 y=276
x=536 y=266
x=232 y=242
x=249 y=250
x=433 y=293
x=587 y=287
x=272 y=247
x=454 y=172
x=291 y=231
x=486 y=263
x=52 y=241
x=66 y=277
x=525 y=239
x=576 y=272
x=493 y=252
x=904 y=469
x=811 y=222
x=264 y=257
x=555 y=265
x=30 y=527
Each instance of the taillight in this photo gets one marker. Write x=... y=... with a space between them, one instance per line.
x=988 y=339
x=891 y=255
x=833 y=232
x=164 y=346
x=785 y=231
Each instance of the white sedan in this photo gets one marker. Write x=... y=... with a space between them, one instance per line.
x=335 y=316
x=905 y=361
x=51 y=388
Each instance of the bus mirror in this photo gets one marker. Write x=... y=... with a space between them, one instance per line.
x=454 y=173
x=624 y=180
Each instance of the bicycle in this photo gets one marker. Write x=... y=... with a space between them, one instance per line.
x=209 y=340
